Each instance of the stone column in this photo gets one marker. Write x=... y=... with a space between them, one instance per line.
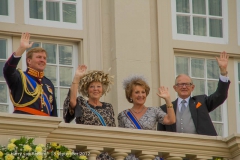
x=119 y=155
x=174 y=158
x=146 y=157
x=93 y=154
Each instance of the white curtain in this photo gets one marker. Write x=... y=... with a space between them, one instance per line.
x=69 y=13
x=197 y=67
x=53 y=11
x=183 y=24
x=199 y=6
x=182 y=6
x=36 y=9
x=51 y=52
x=199 y=87
x=212 y=69
x=182 y=65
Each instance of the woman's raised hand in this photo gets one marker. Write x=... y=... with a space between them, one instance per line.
x=163 y=92
x=81 y=71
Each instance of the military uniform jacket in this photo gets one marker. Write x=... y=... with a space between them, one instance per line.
x=15 y=84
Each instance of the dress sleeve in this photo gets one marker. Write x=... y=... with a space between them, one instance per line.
x=160 y=114
x=113 y=119
x=120 y=120
x=68 y=113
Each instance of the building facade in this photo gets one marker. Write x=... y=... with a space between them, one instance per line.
x=155 y=38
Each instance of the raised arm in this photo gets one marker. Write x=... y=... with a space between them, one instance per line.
x=170 y=117
x=24 y=44
x=79 y=73
x=223 y=63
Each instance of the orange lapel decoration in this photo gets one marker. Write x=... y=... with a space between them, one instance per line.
x=198 y=105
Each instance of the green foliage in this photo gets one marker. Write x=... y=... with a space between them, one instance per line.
x=25 y=149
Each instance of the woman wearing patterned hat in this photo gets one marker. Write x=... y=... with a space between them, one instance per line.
x=140 y=116
x=92 y=111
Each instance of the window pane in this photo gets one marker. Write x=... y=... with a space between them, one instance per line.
x=51 y=73
x=4 y=7
x=212 y=69
x=182 y=6
x=197 y=66
x=215 y=28
x=63 y=95
x=34 y=45
x=182 y=65
x=199 y=87
x=216 y=115
x=215 y=7
x=218 y=128
x=3 y=49
x=199 y=6
x=1 y=70
x=3 y=93
x=51 y=52
x=36 y=9
x=65 y=76
x=3 y=108
x=183 y=24
x=52 y=9
x=199 y=26
x=65 y=55
x=69 y=13
x=56 y=96
x=212 y=86
x=61 y=113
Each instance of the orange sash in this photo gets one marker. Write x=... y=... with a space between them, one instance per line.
x=30 y=111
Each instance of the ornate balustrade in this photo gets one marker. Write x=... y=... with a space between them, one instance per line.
x=119 y=141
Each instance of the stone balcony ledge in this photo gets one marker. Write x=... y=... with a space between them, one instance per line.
x=119 y=141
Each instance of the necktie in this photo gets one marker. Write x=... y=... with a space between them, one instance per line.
x=183 y=106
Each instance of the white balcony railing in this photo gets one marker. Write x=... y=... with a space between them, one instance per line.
x=118 y=141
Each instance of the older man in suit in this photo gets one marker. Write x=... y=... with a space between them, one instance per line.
x=192 y=113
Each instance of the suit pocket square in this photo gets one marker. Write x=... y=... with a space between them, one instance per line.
x=198 y=105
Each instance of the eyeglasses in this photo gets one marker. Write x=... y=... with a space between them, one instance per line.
x=183 y=84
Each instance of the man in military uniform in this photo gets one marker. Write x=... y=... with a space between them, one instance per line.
x=30 y=92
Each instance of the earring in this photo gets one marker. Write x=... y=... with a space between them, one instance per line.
x=131 y=100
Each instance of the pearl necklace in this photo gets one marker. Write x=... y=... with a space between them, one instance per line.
x=139 y=111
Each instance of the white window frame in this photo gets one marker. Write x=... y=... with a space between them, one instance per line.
x=224 y=105
x=196 y=38
x=238 y=21
x=9 y=53
x=237 y=95
x=55 y=24
x=74 y=65
x=11 y=10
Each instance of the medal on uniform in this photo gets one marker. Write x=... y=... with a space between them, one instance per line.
x=50 y=99
x=49 y=89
